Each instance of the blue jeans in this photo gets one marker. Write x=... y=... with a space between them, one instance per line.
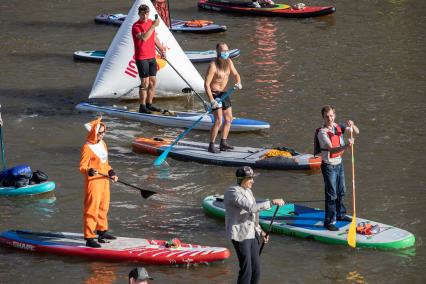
x=334 y=189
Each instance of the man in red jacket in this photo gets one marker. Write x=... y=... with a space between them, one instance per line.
x=145 y=40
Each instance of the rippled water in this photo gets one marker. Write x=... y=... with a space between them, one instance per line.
x=367 y=59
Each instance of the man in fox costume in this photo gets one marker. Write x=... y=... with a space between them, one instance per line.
x=94 y=163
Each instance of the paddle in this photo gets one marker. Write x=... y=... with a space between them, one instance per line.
x=205 y=104
x=144 y=192
x=3 y=158
x=269 y=230
x=163 y=156
x=352 y=227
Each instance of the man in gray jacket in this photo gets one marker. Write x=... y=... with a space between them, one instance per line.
x=242 y=224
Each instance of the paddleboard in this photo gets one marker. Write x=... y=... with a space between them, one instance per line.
x=32 y=189
x=279 y=10
x=122 y=249
x=306 y=222
x=194 y=56
x=183 y=27
x=177 y=25
x=174 y=118
x=240 y=156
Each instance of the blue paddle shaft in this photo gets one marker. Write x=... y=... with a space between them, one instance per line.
x=163 y=155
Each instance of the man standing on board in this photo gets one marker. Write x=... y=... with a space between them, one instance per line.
x=242 y=224
x=329 y=142
x=145 y=40
x=214 y=84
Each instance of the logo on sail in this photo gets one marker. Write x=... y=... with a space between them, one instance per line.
x=132 y=70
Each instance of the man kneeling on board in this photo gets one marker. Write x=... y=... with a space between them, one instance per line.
x=94 y=160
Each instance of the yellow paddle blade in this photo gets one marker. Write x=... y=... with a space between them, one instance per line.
x=352 y=233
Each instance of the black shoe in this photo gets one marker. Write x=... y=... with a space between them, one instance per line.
x=331 y=227
x=212 y=148
x=143 y=109
x=345 y=218
x=92 y=243
x=225 y=146
x=153 y=108
x=104 y=235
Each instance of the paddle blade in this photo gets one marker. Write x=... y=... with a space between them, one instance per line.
x=352 y=233
x=147 y=193
x=160 y=160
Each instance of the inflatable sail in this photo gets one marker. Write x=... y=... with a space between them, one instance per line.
x=118 y=75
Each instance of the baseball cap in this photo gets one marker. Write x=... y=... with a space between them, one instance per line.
x=245 y=172
x=139 y=273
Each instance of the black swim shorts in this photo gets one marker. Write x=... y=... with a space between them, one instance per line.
x=147 y=67
x=226 y=103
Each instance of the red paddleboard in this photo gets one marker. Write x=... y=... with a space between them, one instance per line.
x=122 y=249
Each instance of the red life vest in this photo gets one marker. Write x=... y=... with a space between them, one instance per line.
x=334 y=138
x=335 y=141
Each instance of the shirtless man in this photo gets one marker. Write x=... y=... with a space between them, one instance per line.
x=215 y=84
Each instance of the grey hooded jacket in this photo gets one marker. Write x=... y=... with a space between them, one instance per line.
x=242 y=213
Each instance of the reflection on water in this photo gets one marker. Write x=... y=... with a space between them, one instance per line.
x=265 y=57
x=101 y=273
x=160 y=172
x=355 y=277
x=41 y=206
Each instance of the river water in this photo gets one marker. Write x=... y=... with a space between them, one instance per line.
x=368 y=60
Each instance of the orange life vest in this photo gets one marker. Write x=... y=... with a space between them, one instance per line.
x=335 y=140
x=198 y=23
x=367 y=229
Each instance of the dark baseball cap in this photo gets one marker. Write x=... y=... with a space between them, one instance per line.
x=245 y=172
x=139 y=273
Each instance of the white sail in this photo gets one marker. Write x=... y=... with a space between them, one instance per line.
x=118 y=75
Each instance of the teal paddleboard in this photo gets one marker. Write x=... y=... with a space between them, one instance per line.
x=28 y=190
x=306 y=222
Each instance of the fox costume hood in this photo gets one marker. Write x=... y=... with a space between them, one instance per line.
x=93 y=128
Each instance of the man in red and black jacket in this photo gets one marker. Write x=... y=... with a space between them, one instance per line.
x=332 y=146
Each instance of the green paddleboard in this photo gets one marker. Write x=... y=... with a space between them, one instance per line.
x=306 y=222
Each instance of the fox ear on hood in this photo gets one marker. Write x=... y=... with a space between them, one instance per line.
x=93 y=128
x=90 y=124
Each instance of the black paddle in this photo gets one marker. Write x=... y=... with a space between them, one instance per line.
x=269 y=230
x=144 y=192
